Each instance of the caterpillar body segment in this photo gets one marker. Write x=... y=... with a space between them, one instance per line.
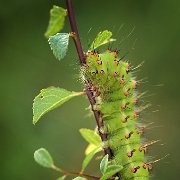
x=114 y=90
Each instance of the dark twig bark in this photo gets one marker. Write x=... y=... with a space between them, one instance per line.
x=82 y=59
x=75 y=32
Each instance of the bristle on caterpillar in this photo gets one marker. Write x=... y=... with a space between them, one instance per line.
x=110 y=79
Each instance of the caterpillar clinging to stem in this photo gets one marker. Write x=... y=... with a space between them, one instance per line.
x=115 y=102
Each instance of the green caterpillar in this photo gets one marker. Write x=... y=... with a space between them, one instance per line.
x=114 y=89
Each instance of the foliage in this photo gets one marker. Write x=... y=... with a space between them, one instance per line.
x=43 y=158
x=49 y=99
x=59 y=44
x=56 y=22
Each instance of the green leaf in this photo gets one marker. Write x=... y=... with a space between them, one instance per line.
x=49 y=99
x=89 y=157
x=101 y=39
x=90 y=136
x=59 y=44
x=79 y=178
x=56 y=22
x=90 y=147
x=110 y=171
x=103 y=164
x=43 y=158
x=62 y=178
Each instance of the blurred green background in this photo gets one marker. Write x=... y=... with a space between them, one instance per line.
x=28 y=65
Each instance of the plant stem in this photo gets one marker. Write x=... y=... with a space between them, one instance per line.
x=66 y=173
x=74 y=29
x=82 y=58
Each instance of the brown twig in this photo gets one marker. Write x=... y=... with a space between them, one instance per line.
x=82 y=58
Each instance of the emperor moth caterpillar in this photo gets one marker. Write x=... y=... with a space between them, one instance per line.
x=114 y=88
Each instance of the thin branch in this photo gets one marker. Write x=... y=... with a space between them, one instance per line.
x=82 y=59
x=74 y=173
x=97 y=117
x=76 y=38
